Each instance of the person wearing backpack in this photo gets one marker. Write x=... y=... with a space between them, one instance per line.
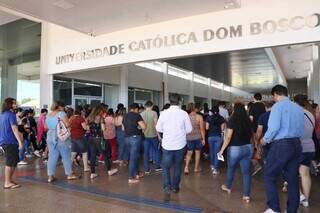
x=58 y=141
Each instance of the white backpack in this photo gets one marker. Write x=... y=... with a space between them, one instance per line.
x=63 y=132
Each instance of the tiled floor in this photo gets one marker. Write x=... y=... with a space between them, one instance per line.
x=199 y=193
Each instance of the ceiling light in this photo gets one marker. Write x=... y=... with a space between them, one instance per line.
x=63 y=4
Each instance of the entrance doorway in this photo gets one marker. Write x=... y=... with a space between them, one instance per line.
x=86 y=100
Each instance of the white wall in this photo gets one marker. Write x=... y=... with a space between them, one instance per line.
x=63 y=41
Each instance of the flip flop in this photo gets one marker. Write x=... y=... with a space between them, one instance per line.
x=14 y=186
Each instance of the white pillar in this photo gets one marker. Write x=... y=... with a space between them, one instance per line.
x=316 y=74
x=191 y=91
x=165 y=91
x=46 y=80
x=123 y=93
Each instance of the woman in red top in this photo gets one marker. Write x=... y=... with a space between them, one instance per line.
x=79 y=143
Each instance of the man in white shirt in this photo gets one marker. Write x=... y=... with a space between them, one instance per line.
x=175 y=124
x=223 y=111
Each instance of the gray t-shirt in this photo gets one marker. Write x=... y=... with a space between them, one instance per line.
x=306 y=140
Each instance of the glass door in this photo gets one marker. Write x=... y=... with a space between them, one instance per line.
x=80 y=101
x=94 y=101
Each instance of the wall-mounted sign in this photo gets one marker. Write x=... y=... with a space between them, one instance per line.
x=256 y=25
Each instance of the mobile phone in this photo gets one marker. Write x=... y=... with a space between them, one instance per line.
x=220 y=157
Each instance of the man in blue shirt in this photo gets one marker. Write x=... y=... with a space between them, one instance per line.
x=285 y=127
x=10 y=140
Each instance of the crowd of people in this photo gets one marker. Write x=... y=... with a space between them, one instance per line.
x=279 y=136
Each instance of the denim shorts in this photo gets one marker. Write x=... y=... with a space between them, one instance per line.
x=306 y=158
x=79 y=145
x=194 y=145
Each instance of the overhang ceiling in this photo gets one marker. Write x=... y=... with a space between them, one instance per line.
x=295 y=60
x=249 y=70
x=6 y=18
x=105 y=16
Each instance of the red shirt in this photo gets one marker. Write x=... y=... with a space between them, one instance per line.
x=77 y=131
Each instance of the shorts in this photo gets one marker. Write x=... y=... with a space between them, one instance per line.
x=12 y=154
x=194 y=145
x=306 y=158
x=79 y=145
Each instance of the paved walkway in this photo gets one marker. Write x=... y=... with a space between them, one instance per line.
x=199 y=193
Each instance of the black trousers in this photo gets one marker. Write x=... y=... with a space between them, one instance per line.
x=95 y=149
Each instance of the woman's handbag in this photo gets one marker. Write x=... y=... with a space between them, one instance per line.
x=63 y=132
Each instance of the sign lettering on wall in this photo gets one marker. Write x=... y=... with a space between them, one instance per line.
x=295 y=23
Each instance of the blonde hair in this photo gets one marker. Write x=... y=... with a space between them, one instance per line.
x=96 y=111
x=55 y=106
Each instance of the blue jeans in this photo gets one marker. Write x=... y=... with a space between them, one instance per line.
x=151 y=144
x=152 y=154
x=283 y=158
x=122 y=148
x=214 y=147
x=133 y=143
x=240 y=155
x=58 y=148
x=26 y=149
x=172 y=158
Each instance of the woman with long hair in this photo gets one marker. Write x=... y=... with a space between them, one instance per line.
x=79 y=143
x=215 y=125
x=109 y=133
x=196 y=138
x=57 y=147
x=97 y=142
x=237 y=141
x=122 y=149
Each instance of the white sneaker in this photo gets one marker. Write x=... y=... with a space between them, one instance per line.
x=285 y=187
x=215 y=172
x=269 y=211
x=28 y=156
x=1 y=150
x=303 y=201
x=22 y=163
x=37 y=153
x=112 y=172
x=93 y=175
x=116 y=161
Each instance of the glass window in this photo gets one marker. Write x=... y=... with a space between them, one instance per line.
x=87 y=89
x=62 y=90
x=130 y=96
x=20 y=42
x=142 y=95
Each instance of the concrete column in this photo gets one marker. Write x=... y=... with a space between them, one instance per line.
x=123 y=89
x=191 y=91
x=46 y=79
x=165 y=90
x=9 y=80
x=314 y=76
